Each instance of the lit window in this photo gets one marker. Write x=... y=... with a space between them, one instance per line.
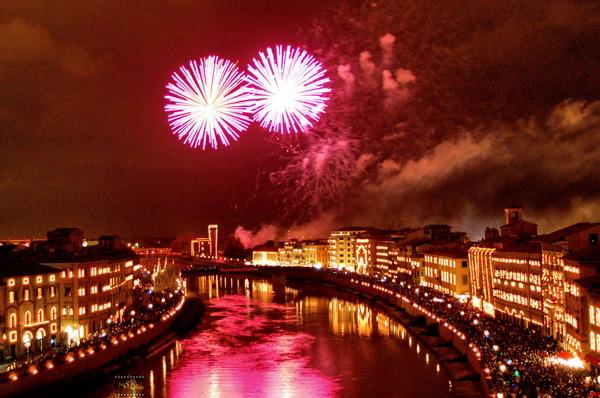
x=12 y=320
x=52 y=291
x=11 y=296
x=40 y=292
x=592 y=315
x=53 y=328
x=52 y=278
x=40 y=315
x=27 y=317
x=38 y=279
x=53 y=314
x=26 y=294
x=593 y=341
x=11 y=282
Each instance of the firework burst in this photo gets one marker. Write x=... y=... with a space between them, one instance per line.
x=289 y=89
x=208 y=103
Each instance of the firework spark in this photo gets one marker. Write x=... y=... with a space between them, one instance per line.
x=289 y=89
x=209 y=102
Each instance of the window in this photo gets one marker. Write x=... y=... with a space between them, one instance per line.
x=12 y=320
x=593 y=341
x=11 y=296
x=465 y=279
x=27 y=317
x=464 y=264
x=52 y=291
x=591 y=314
x=40 y=292
x=40 y=315
x=26 y=294
x=593 y=239
x=53 y=314
x=82 y=291
x=67 y=292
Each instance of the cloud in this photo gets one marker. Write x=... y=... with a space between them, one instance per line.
x=366 y=63
x=250 y=239
x=541 y=164
x=386 y=42
x=22 y=42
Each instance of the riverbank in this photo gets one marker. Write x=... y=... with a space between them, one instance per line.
x=87 y=364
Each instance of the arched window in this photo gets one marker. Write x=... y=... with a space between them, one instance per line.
x=13 y=320
x=27 y=317
x=40 y=315
x=53 y=314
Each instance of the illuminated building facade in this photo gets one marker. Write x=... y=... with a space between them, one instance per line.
x=365 y=255
x=517 y=284
x=592 y=348
x=29 y=307
x=316 y=252
x=304 y=253
x=342 y=247
x=93 y=291
x=265 y=256
x=206 y=246
x=538 y=281
x=61 y=293
x=447 y=271
x=481 y=277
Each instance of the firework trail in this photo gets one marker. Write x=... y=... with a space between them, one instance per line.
x=208 y=103
x=289 y=89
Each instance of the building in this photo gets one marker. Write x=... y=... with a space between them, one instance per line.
x=541 y=281
x=59 y=291
x=95 y=285
x=342 y=247
x=447 y=271
x=316 y=252
x=206 y=246
x=304 y=253
x=517 y=284
x=265 y=255
x=29 y=308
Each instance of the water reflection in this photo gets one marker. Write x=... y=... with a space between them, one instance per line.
x=263 y=339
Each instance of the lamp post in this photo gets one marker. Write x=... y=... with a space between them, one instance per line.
x=27 y=343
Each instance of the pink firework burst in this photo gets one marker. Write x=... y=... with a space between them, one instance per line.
x=289 y=89
x=208 y=102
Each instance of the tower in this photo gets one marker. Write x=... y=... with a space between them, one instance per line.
x=213 y=236
x=513 y=214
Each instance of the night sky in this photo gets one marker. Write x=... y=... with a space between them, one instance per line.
x=494 y=103
x=85 y=140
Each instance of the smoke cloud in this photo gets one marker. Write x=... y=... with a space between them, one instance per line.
x=386 y=42
x=250 y=239
x=542 y=165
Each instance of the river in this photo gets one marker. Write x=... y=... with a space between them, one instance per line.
x=265 y=340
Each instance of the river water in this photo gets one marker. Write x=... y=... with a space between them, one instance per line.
x=263 y=340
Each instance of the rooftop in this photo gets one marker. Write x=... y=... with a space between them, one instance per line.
x=560 y=234
x=16 y=266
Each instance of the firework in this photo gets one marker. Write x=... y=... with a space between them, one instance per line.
x=289 y=89
x=208 y=102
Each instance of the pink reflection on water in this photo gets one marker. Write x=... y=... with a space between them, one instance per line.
x=249 y=349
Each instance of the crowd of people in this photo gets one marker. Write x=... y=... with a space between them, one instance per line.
x=517 y=359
